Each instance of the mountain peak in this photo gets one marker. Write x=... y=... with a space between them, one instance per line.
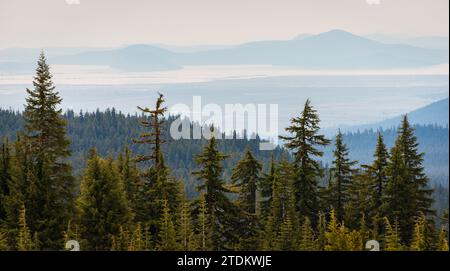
x=339 y=33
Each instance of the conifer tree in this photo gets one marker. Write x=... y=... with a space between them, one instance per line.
x=186 y=233
x=121 y=241
x=24 y=239
x=140 y=239
x=305 y=143
x=407 y=194
x=203 y=226
x=166 y=235
x=378 y=173
x=285 y=240
x=222 y=213
x=245 y=177
x=443 y=240
x=339 y=238
x=420 y=239
x=5 y=177
x=308 y=241
x=332 y=233
x=282 y=226
x=360 y=204
x=341 y=177
x=132 y=182
x=265 y=188
x=102 y=203
x=159 y=185
x=4 y=246
x=19 y=185
x=392 y=236
x=321 y=230
x=53 y=190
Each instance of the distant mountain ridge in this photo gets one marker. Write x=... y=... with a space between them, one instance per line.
x=334 y=49
x=436 y=113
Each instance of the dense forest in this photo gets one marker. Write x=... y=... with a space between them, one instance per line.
x=129 y=189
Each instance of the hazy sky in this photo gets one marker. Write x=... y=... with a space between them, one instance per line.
x=31 y=23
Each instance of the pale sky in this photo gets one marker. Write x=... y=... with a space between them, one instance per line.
x=42 y=23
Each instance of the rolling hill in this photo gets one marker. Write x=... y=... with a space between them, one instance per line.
x=334 y=49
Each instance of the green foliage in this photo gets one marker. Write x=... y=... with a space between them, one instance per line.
x=203 y=226
x=282 y=225
x=407 y=194
x=166 y=235
x=123 y=205
x=222 y=213
x=342 y=172
x=360 y=201
x=102 y=203
x=265 y=190
x=305 y=144
x=185 y=231
x=421 y=237
x=308 y=242
x=25 y=240
x=5 y=176
x=443 y=240
x=392 y=236
x=340 y=238
x=51 y=189
x=4 y=244
x=246 y=177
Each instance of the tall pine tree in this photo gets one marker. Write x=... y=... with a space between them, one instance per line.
x=341 y=177
x=305 y=143
x=407 y=194
x=53 y=190
x=246 y=177
x=222 y=213
x=102 y=203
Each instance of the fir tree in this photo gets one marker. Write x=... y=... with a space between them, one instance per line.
x=222 y=213
x=392 y=236
x=140 y=239
x=5 y=177
x=265 y=188
x=360 y=201
x=378 y=173
x=53 y=190
x=245 y=177
x=132 y=182
x=19 y=186
x=321 y=230
x=443 y=240
x=339 y=238
x=186 y=233
x=305 y=144
x=24 y=239
x=159 y=185
x=102 y=203
x=282 y=226
x=420 y=240
x=285 y=240
x=341 y=177
x=166 y=235
x=121 y=241
x=4 y=246
x=407 y=194
x=308 y=241
x=203 y=226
